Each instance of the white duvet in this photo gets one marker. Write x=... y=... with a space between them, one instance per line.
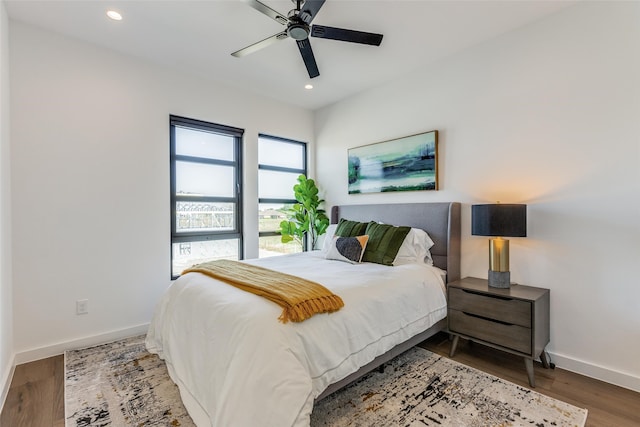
x=237 y=366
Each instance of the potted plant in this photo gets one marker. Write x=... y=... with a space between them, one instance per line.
x=305 y=218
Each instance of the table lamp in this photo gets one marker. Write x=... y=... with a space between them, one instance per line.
x=499 y=220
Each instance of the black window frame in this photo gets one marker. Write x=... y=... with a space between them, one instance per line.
x=302 y=171
x=200 y=236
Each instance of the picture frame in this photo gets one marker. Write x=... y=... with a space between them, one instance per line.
x=409 y=163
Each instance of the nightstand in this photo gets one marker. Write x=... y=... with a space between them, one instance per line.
x=515 y=319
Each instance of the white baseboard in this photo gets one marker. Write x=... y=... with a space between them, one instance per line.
x=6 y=382
x=60 y=348
x=601 y=373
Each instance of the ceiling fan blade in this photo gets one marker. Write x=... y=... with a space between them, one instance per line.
x=260 y=45
x=307 y=56
x=310 y=9
x=346 y=35
x=263 y=8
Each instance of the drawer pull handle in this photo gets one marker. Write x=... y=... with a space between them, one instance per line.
x=488 y=318
x=488 y=296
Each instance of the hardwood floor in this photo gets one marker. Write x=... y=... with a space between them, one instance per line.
x=36 y=395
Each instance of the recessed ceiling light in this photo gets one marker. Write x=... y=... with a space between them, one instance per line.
x=308 y=86
x=114 y=15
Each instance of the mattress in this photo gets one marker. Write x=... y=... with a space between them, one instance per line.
x=236 y=365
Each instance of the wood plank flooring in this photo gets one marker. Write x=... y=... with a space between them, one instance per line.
x=36 y=395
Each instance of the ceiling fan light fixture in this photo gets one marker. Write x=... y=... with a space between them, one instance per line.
x=298 y=31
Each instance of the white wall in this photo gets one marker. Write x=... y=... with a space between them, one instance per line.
x=6 y=312
x=548 y=115
x=90 y=165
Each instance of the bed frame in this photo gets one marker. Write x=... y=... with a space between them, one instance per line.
x=442 y=222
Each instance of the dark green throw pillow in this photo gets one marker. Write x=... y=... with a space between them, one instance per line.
x=347 y=228
x=384 y=242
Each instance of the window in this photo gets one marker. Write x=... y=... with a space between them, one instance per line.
x=280 y=162
x=206 y=209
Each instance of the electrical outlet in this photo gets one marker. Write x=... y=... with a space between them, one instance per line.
x=82 y=306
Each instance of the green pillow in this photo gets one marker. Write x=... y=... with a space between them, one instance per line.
x=384 y=242
x=347 y=228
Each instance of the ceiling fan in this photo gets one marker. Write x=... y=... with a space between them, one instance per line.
x=298 y=22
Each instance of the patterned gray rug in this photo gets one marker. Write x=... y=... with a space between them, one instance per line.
x=120 y=384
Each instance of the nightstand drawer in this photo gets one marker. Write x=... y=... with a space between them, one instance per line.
x=504 y=309
x=507 y=335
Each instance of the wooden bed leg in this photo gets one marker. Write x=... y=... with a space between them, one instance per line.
x=381 y=368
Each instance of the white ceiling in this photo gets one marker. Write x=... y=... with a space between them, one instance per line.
x=199 y=36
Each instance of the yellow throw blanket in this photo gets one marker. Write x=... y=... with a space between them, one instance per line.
x=299 y=298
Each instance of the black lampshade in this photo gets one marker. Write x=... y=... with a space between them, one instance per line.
x=499 y=220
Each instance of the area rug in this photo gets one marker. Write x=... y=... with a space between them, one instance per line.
x=121 y=384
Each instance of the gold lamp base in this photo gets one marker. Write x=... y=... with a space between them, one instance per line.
x=499 y=275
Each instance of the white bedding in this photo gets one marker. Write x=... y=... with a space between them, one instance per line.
x=236 y=365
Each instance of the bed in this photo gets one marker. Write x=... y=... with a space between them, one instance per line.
x=236 y=365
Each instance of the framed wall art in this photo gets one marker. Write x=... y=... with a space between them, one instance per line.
x=404 y=164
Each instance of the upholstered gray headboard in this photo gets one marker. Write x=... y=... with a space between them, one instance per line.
x=440 y=220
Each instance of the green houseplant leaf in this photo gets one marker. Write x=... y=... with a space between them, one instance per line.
x=305 y=218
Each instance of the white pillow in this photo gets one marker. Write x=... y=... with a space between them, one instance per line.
x=415 y=248
x=328 y=237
